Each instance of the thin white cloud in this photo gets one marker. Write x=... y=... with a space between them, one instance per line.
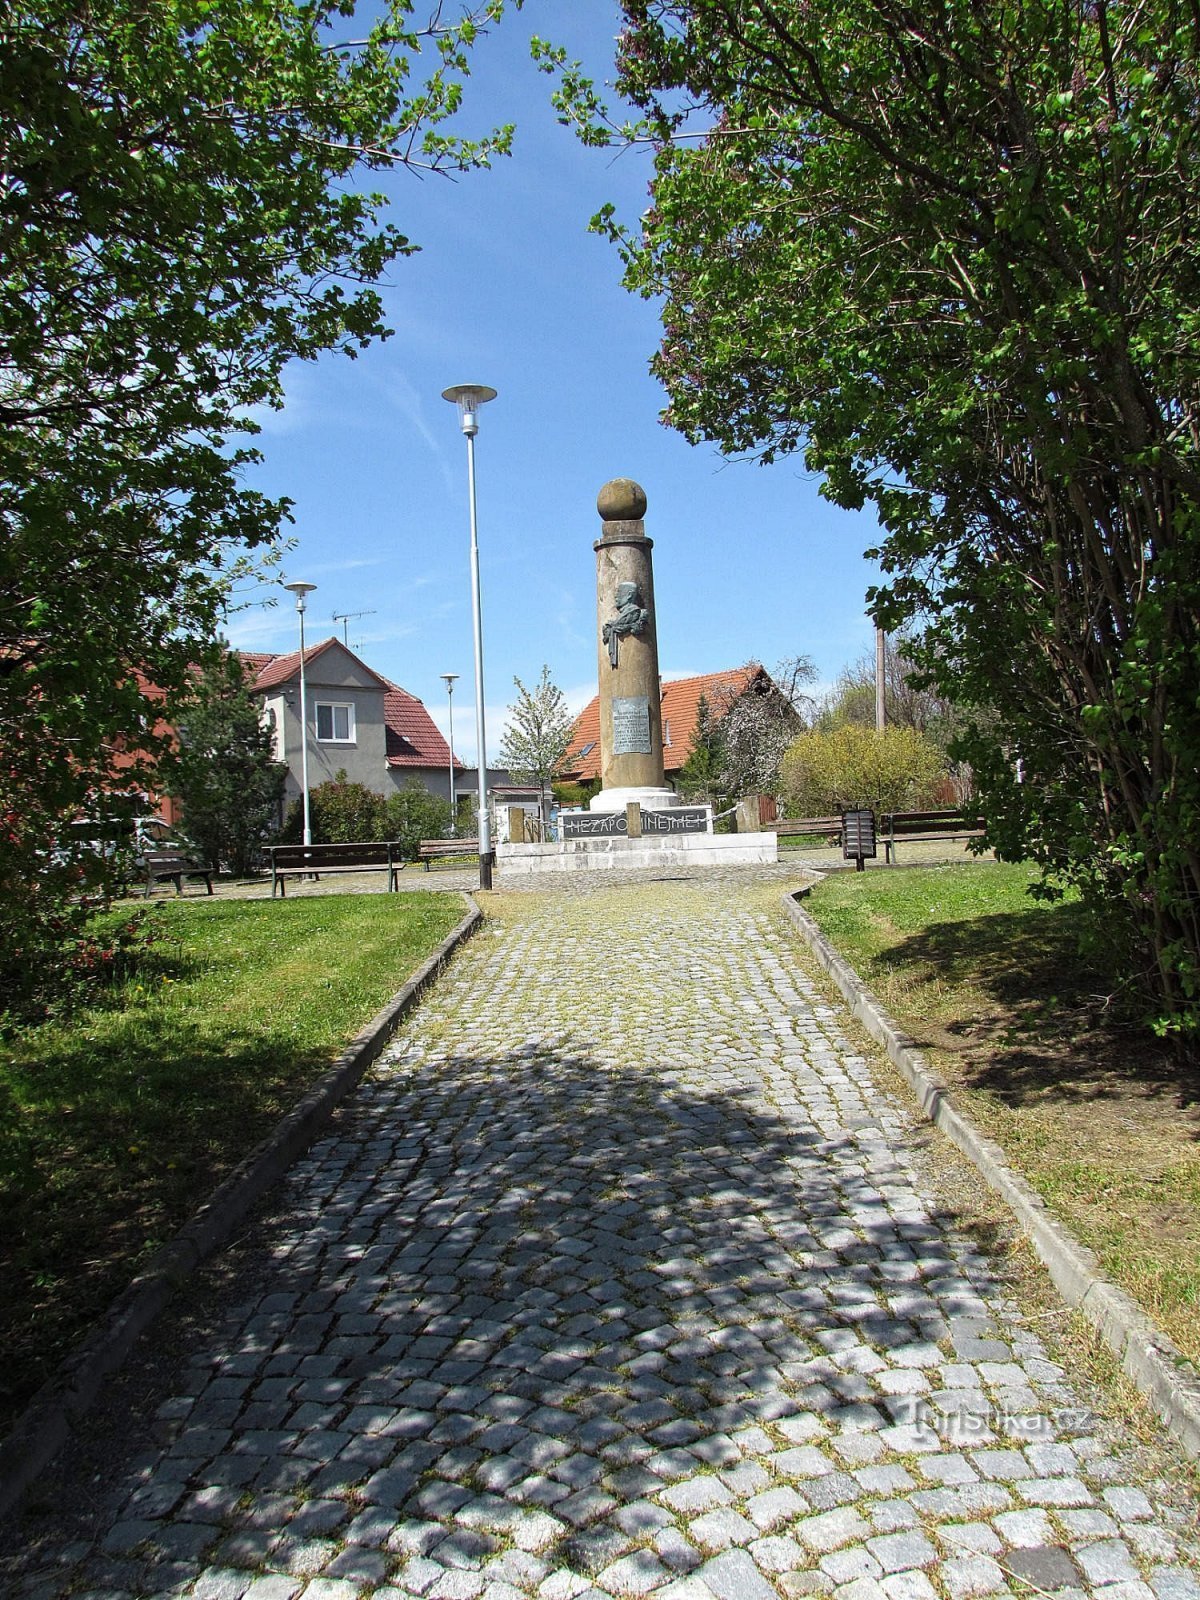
x=353 y=564
x=411 y=404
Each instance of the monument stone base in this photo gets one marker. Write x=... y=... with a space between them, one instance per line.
x=651 y=853
x=648 y=799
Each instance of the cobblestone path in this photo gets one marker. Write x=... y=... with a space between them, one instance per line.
x=617 y=1278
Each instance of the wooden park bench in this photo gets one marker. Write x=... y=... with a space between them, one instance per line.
x=436 y=849
x=169 y=866
x=925 y=827
x=310 y=860
x=828 y=828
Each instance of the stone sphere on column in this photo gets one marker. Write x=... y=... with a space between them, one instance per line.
x=621 y=500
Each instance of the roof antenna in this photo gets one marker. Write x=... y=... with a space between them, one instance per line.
x=345 y=617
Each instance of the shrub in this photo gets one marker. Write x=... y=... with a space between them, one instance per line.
x=413 y=814
x=342 y=813
x=851 y=767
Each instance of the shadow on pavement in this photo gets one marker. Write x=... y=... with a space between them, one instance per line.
x=506 y=1308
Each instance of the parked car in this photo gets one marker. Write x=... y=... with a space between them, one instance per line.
x=122 y=842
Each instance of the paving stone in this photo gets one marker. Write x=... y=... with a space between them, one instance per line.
x=634 y=1574
x=845 y=1566
x=775 y=1554
x=1024 y=1529
x=734 y=1576
x=862 y=1589
x=1046 y=1566
x=216 y=1584
x=775 y=1506
x=1054 y=1492
x=831 y=1530
x=898 y=1552
x=677 y=1552
x=1174 y=1583
x=642 y=1517
x=456 y=1585
x=697 y=1494
x=717 y=1530
x=1130 y=1505
x=964 y=1576
x=360 y=1566
x=1107 y=1561
x=273 y=1586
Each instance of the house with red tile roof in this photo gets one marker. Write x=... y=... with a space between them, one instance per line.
x=359 y=722
x=680 y=710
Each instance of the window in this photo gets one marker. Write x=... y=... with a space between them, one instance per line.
x=335 y=723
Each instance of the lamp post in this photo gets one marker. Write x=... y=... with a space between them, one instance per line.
x=448 y=679
x=468 y=397
x=301 y=590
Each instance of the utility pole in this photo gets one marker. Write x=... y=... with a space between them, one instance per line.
x=880 y=678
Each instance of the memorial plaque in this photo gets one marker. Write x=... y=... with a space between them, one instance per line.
x=593 y=824
x=631 y=725
x=680 y=819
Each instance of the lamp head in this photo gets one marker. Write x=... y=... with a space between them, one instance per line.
x=300 y=589
x=468 y=397
x=449 y=679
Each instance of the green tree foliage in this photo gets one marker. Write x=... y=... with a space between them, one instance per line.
x=413 y=814
x=182 y=206
x=952 y=256
x=538 y=734
x=701 y=774
x=225 y=774
x=341 y=812
x=850 y=767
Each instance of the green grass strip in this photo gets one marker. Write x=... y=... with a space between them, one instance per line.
x=1024 y=1029
x=114 y=1125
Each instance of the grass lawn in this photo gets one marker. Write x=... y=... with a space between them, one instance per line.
x=1021 y=1027
x=114 y=1125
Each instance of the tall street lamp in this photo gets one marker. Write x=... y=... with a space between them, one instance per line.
x=301 y=590
x=468 y=397
x=448 y=679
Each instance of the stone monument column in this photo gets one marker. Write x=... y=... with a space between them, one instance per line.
x=631 y=744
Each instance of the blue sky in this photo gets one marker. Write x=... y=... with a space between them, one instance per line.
x=511 y=290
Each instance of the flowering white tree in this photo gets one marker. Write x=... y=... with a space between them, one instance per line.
x=538 y=733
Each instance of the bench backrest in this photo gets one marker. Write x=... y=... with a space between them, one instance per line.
x=170 y=861
x=793 y=825
x=368 y=853
x=928 y=821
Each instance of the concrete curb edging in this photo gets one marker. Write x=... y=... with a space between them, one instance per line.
x=46 y=1423
x=1146 y=1355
